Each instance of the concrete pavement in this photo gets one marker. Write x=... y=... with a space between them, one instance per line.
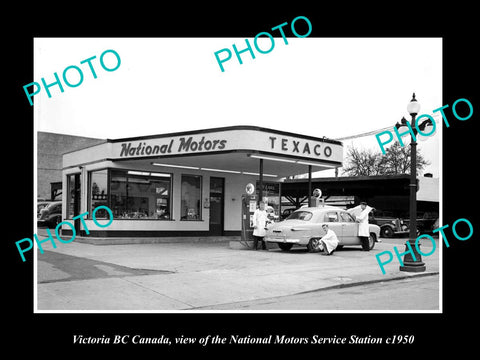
x=421 y=293
x=190 y=275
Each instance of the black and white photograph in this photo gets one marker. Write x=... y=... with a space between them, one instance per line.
x=300 y=180
x=186 y=186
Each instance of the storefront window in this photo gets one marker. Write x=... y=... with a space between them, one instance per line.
x=99 y=192
x=140 y=195
x=191 y=197
x=71 y=193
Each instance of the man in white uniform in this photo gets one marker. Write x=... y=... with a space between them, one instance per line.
x=260 y=218
x=363 y=228
x=329 y=241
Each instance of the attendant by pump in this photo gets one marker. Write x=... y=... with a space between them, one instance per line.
x=260 y=218
x=363 y=229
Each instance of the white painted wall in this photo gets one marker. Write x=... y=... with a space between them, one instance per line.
x=234 y=188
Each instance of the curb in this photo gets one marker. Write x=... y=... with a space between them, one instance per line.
x=155 y=240
x=367 y=282
x=338 y=286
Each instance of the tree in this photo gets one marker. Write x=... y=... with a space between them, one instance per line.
x=365 y=162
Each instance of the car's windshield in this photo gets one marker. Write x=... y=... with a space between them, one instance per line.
x=300 y=215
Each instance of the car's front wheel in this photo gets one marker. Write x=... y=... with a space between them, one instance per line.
x=284 y=246
x=313 y=245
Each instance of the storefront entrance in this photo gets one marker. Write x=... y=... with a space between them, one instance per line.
x=217 y=195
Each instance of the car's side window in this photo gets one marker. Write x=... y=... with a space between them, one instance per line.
x=346 y=217
x=331 y=216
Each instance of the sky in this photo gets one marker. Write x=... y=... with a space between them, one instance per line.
x=333 y=87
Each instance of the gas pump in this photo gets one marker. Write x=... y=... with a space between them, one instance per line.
x=249 y=205
x=316 y=198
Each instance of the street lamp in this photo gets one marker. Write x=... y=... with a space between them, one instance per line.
x=413 y=263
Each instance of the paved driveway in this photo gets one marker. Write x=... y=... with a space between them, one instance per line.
x=179 y=276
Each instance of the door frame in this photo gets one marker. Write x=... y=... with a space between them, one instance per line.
x=77 y=201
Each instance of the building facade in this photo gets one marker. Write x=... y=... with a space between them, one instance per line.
x=50 y=148
x=184 y=184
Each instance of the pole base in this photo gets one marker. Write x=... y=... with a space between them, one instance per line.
x=413 y=267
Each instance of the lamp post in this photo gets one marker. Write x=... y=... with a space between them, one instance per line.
x=413 y=263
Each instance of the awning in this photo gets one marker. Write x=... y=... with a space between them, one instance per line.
x=235 y=149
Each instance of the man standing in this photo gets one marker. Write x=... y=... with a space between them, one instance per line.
x=363 y=228
x=260 y=219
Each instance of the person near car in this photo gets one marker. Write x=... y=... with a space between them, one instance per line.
x=363 y=228
x=329 y=241
x=260 y=219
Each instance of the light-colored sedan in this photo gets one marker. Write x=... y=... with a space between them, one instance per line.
x=304 y=227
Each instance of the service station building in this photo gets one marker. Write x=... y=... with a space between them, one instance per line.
x=188 y=183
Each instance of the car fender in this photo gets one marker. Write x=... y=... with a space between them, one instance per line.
x=374 y=229
x=388 y=225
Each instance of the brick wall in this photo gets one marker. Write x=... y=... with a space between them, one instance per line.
x=50 y=148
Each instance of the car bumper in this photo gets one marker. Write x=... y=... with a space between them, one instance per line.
x=285 y=240
x=42 y=222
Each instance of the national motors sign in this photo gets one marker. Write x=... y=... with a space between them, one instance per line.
x=183 y=145
x=244 y=140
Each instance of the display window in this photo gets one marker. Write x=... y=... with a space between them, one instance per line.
x=191 y=198
x=133 y=194
x=99 y=192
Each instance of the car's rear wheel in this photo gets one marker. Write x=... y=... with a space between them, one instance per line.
x=371 y=240
x=285 y=247
x=313 y=245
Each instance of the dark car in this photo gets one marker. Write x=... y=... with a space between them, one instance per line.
x=40 y=205
x=426 y=222
x=50 y=215
x=389 y=224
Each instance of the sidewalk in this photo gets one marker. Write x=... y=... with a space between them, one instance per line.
x=197 y=274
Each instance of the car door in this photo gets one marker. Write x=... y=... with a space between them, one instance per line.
x=349 y=228
x=331 y=217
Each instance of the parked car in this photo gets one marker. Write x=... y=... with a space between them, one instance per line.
x=40 y=205
x=389 y=224
x=394 y=226
x=425 y=222
x=50 y=215
x=304 y=227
